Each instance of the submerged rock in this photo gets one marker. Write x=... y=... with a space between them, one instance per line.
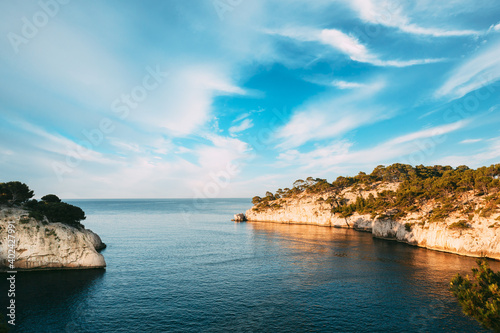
x=47 y=245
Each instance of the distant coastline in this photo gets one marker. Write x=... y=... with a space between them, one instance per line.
x=438 y=208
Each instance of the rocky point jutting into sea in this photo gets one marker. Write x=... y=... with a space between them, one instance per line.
x=43 y=245
x=439 y=208
x=45 y=234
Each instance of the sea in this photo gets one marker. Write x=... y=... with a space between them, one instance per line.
x=182 y=265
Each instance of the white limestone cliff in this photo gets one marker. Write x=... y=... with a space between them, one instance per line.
x=481 y=238
x=48 y=246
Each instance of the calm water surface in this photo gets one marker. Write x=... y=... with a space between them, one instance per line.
x=183 y=266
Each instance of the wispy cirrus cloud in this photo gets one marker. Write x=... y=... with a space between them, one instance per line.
x=326 y=158
x=488 y=154
x=390 y=14
x=57 y=144
x=348 y=45
x=479 y=71
x=195 y=123
x=430 y=132
x=242 y=126
x=337 y=83
x=183 y=103
x=469 y=141
x=347 y=85
x=328 y=117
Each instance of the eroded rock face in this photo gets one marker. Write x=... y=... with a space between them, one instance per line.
x=50 y=246
x=479 y=240
x=482 y=238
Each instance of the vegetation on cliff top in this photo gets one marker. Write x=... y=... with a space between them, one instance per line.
x=17 y=194
x=444 y=185
x=480 y=296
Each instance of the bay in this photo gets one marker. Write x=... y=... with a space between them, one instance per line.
x=181 y=265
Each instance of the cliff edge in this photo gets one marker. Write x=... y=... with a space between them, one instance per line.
x=43 y=245
x=439 y=208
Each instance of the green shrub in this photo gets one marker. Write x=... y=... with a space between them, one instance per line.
x=56 y=211
x=51 y=198
x=408 y=226
x=14 y=193
x=37 y=215
x=443 y=186
x=50 y=206
x=479 y=296
x=462 y=224
x=487 y=211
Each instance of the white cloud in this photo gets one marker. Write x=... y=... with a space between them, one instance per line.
x=390 y=14
x=324 y=159
x=57 y=144
x=347 y=85
x=224 y=150
x=242 y=126
x=494 y=27
x=241 y=117
x=73 y=70
x=125 y=147
x=85 y=71
x=347 y=44
x=328 y=82
x=485 y=156
x=468 y=141
x=316 y=124
x=183 y=150
x=328 y=117
x=183 y=103
x=480 y=71
x=316 y=157
x=430 y=132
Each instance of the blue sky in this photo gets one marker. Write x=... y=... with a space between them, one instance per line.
x=230 y=98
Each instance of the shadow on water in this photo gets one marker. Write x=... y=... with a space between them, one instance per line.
x=363 y=283
x=52 y=301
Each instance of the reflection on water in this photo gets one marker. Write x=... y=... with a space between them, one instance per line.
x=172 y=271
x=313 y=241
x=381 y=279
x=59 y=297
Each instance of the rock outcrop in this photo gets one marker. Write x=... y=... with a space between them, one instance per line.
x=239 y=217
x=47 y=245
x=465 y=235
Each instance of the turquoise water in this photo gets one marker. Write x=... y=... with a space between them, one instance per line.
x=183 y=266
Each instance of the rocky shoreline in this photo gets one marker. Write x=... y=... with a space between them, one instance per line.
x=476 y=237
